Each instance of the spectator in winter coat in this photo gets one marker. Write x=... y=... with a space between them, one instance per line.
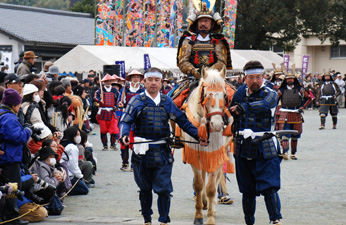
x=70 y=140
x=12 y=135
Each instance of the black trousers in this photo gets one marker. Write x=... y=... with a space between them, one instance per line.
x=12 y=173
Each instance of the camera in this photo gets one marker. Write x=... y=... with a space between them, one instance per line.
x=35 y=198
x=45 y=186
x=11 y=194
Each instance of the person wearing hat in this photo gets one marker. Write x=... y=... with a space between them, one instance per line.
x=152 y=165
x=106 y=117
x=131 y=89
x=19 y=61
x=12 y=80
x=27 y=66
x=44 y=167
x=276 y=79
x=341 y=85
x=46 y=67
x=290 y=96
x=202 y=45
x=30 y=106
x=326 y=99
x=257 y=161
x=13 y=136
x=53 y=73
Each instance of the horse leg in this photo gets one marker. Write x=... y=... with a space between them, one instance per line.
x=198 y=185
x=204 y=195
x=213 y=180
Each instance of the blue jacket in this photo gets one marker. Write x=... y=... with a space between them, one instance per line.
x=259 y=108
x=12 y=137
x=136 y=105
x=24 y=178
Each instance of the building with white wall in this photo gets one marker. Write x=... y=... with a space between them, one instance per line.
x=322 y=55
x=49 y=33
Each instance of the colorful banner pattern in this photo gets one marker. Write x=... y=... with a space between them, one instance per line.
x=140 y=22
x=149 y=22
x=104 y=23
x=230 y=16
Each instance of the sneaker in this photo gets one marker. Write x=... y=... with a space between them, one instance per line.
x=284 y=156
x=334 y=126
x=277 y=222
x=321 y=128
x=91 y=185
x=148 y=223
x=124 y=167
x=293 y=157
x=226 y=200
x=105 y=148
x=114 y=148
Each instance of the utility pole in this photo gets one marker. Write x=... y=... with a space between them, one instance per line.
x=124 y=2
x=155 y=34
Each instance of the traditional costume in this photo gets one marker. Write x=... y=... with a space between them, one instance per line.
x=326 y=98
x=126 y=94
x=257 y=159
x=291 y=97
x=106 y=117
x=153 y=163
x=194 y=51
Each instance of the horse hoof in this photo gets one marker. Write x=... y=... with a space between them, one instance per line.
x=198 y=221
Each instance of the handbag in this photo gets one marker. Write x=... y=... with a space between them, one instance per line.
x=55 y=206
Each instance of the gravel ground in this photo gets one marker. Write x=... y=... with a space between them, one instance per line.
x=313 y=187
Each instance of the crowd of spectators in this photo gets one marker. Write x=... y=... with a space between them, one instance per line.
x=44 y=126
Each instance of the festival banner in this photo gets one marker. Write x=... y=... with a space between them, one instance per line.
x=163 y=22
x=229 y=18
x=179 y=20
x=149 y=22
x=147 y=64
x=134 y=23
x=172 y=25
x=287 y=61
x=104 y=23
x=305 y=65
x=118 y=22
x=122 y=68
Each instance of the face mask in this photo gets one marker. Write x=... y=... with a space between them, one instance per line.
x=52 y=161
x=37 y=98
x=78 y=139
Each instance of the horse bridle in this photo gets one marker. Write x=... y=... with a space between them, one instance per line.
x=204 y=102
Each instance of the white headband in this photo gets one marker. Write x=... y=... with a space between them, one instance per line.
x=253 y=71
x=153 y=74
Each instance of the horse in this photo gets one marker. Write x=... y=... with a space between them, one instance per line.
x=206 y=108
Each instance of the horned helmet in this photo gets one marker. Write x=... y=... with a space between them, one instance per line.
x=202 y=11
x=290 y=74
x=277 y=73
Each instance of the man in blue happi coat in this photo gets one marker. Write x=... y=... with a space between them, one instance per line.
x=256 y=156
x=152 y=162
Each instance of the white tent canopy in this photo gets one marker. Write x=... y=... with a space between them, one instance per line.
x=83 y=58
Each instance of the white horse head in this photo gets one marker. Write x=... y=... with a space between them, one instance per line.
x=212 y=97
